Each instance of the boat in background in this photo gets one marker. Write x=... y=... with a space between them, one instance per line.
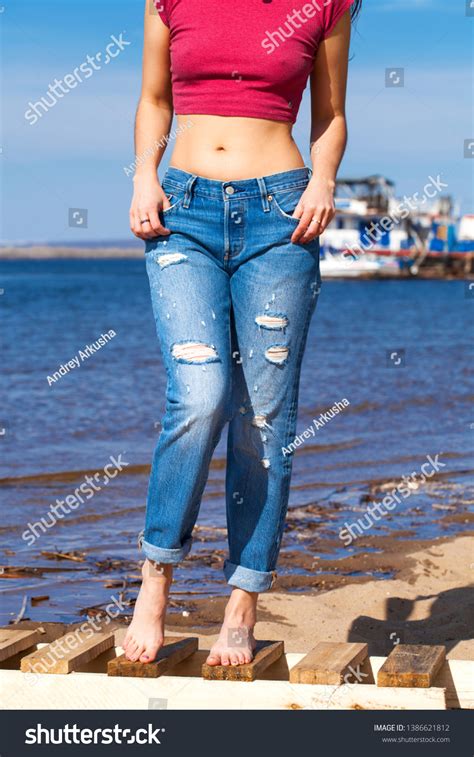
x=376 y=234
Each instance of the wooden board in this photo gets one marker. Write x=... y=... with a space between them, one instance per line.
x=67 y=653
x=266 y=653
x=455 y=676
x=174 y=650
x=411 y=665
x=90 y=691
x=12 y=642
x=48 y=631
x=330 y=663
x=86 y=691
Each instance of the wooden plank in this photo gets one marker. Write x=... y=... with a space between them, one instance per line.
x=371 y=697
x=49 y=631
x=174 y=650
x=89 y=691
x=266 y=653
x=67 y=653
x=330 y=663
x=12 y=642
x=456 y=676
x=412 y=666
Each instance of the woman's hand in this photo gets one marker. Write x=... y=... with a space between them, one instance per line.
x=147 y=202
x=315 y=210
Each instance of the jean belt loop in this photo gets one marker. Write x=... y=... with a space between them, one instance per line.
x=263 y=194
x=188 y=191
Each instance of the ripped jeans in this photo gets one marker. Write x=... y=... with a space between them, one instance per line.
x=232 y=299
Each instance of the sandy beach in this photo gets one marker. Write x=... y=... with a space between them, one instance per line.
x=430 y=602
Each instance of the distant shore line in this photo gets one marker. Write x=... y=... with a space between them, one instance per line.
x=430 y=270
x=45 y=252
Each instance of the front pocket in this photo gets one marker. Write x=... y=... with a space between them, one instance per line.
x=175 y=201
x=286 y=202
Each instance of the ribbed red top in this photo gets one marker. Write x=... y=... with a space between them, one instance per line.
x=245 y=58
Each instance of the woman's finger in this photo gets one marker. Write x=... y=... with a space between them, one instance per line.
x=319 y=222
x=312 y=232
x=133 y=223
x=300 y=230
x=144 y=219
x=156 y=225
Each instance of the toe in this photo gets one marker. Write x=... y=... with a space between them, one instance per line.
x=138 y=652
x=234 y=659
x=131 y=649
x=149 y=654
x=135 y=654
x=213 y=659
x=247 y=658
x=225 y=658
x=241 y=657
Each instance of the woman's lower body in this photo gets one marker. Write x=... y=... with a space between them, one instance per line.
x=232 y=299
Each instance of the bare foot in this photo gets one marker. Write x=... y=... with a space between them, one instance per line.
x=236 y=642
x=146 y=632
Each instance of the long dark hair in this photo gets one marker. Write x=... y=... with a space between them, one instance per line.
x=355 y=10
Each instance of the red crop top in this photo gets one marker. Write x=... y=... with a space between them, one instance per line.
x=245 y=57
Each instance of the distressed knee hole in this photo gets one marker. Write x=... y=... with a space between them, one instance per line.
x=170 y=258
x=278 y=354
x=274 y=322
x=194 y=352
x=259 y=421
x=265 y=462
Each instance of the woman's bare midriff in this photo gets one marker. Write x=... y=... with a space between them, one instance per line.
x=230 y=148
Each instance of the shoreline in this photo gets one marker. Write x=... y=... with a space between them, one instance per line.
x=443 y=269
x=430 y=600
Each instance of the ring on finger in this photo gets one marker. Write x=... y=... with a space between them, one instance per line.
x=145 y=220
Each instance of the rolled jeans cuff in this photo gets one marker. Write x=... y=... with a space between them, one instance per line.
x=248 y=579
x=166 y=556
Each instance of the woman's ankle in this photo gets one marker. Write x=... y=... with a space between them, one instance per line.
x=151 y=569
x=241 y=608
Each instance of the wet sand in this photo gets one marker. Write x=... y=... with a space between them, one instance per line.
x=428 y=600
x=431 y=601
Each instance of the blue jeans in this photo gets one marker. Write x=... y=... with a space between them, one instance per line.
x=232 y=299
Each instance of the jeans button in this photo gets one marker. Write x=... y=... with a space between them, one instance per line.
x=229 y=190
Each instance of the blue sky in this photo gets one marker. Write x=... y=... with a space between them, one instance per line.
x=74 y=156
